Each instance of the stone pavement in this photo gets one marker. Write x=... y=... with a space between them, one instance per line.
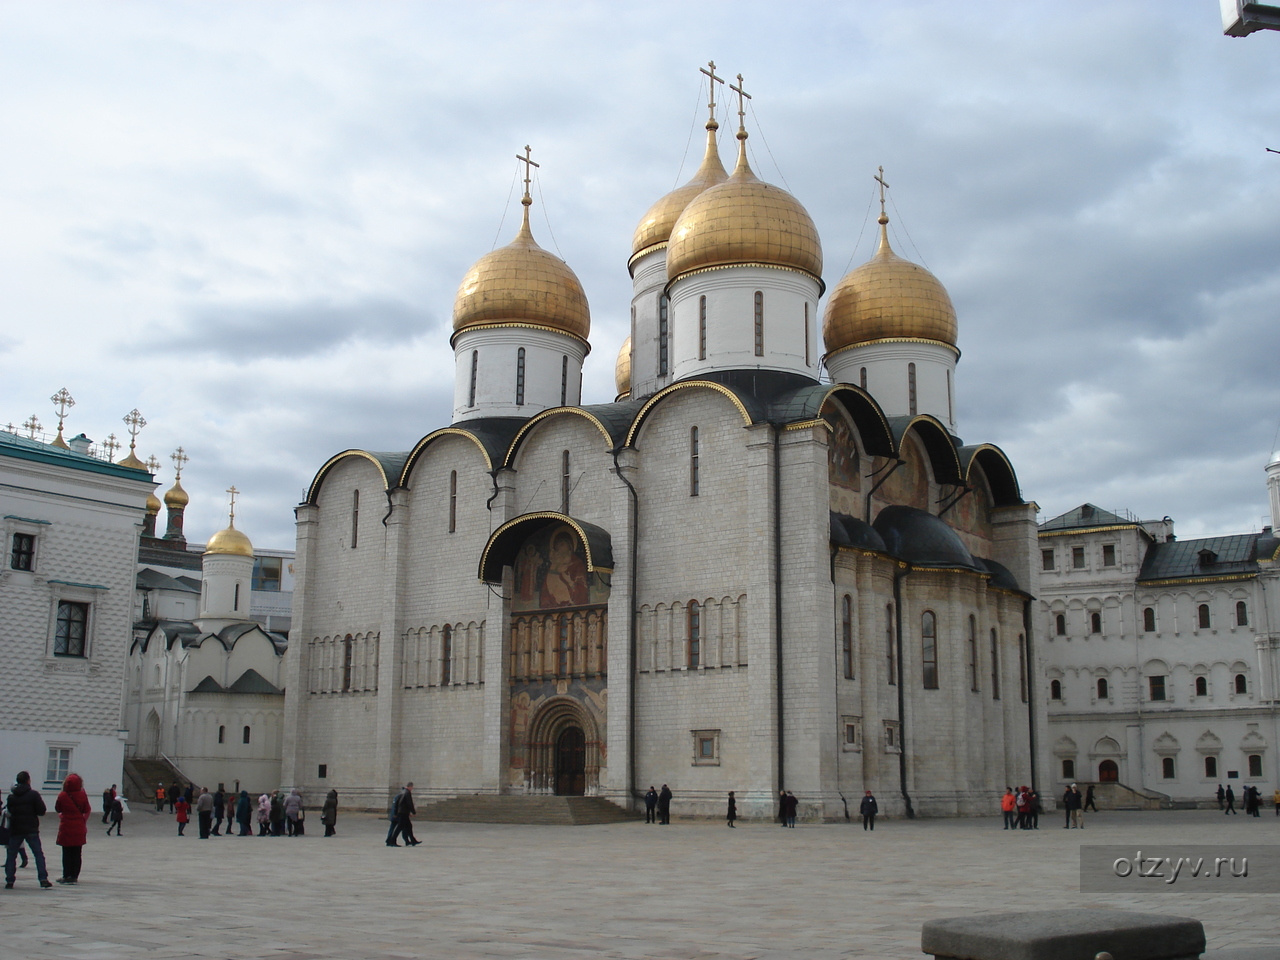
x=692 y=890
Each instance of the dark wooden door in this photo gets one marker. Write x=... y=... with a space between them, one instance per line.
x=571 y=763
x=1108 y=772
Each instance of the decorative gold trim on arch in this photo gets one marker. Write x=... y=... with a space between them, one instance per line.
x=822 y=286
x=652 y=248
x=421 y=446
x=806 y=424
x=314 y=490
x=683 y=385
x=543 y=515
x=499 y=324
x=1081 y=531
x=866 y=343
x=547 y=415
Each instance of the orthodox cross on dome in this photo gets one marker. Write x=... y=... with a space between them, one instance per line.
x=180 y=460
x=743 y=97
x=63 y=401
x=111 y=445
x=711 y=103
x=135 y=421
x=234 y=493
x=884 y=218
x=529 y=164
x=153 y=465
x=32 y=426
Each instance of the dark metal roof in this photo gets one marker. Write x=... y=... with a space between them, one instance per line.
x=253 y=682
x=208 y=685
x=1001 y=576
x=505 y=542
x=1084 y=516
x=494 y=433
x=847 y=531
x=1182 y=558
x=163 y=557
x=149 y=579
x=922 y=539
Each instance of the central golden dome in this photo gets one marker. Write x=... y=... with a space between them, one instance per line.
x=229 y=541
x=888 y=298
x=655 y=226
x=744 y=221
x=522 y=285
x=622 y=370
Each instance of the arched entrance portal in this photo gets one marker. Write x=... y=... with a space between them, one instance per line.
x=571 y=762
x=1108 y=772
x=150 y=745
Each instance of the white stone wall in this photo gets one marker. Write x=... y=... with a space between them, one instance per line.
x=888 y=376
x=648 y=281
x=497 y=358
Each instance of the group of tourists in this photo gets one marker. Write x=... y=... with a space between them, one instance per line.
x=657 y=806
x=20 y=829
x=275 y=813
x=400 y=813
x=1252 y=800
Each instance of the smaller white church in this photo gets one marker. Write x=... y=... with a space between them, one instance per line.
x=204 y=681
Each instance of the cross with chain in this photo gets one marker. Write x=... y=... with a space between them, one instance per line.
x=883 y=186
x=32 y=426
x=180 y=460
x=743 y=97
x=711 y=104
x=234 y=492
x=63 y=401
x=111 y=445
x=528 y=173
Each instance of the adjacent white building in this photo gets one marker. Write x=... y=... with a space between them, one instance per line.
x=71 y=524
x=1161 y=656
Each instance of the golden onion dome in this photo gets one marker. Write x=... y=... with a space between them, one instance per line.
x=655 y=226
x=744 y=221
x=153 y=504
x=622 y=370
x=888 y=298
x=229 y=541
x=175 y=496
x=522 y=285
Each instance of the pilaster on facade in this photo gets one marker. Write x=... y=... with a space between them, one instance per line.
x=762 y=678
x=391 y=640
x=297 y=664
x=495 y=743
x=616 y=780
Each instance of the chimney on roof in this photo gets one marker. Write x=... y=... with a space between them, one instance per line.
x=80 y=444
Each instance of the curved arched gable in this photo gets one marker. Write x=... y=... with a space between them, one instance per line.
x=389 y=466
x=738 y=402
x=421 y=447
x=938 y=444
x=995 y=466
x=532 y=424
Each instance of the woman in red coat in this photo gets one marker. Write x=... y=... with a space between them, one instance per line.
x=73 y=810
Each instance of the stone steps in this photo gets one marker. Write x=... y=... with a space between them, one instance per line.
x=142 y=774
x=542 y=810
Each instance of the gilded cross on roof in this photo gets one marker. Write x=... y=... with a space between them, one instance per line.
x=234 y=493
x=32 y=426
x=111 y=445
x=743 y=97
x=528 y=173
x=883 y=186
x=180 y=460
x=153 y=465
x=63 y=401
x=711 y=103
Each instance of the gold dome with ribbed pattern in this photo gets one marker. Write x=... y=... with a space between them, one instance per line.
x=888 y=298
x=744 y=221
x=522 y=285
x=622 y=370
x=655 y=226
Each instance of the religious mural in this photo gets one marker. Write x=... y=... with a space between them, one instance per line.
x=843 y=466
x=551 y=573
x=909 y=484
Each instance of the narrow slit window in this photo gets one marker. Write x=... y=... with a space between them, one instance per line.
x=759 y=323
x=348 y=659
x=355 y=518
x=564 y=649
x=244 y=736
x=1095 y=622
x=663 y=332
x=807 y=350
x=564 y=381
x=973 y=653
x=695 y=466
x=951 y=412
x=846 y=634
x=564 y=482
x=695 y=634
x=1060 y=624
x=1149 y=620
x=1104 y=691
x=1202 y=686
x=235 y=600
x=453 y=501
x=1242 y=614
x=1202 y=614
x=888 y=644
x=520 y=377
x=929 y=650
x=702 y=328
x=1055 y=689
x=862 y=378
x=911 y=388
x=1022 y=667
x=446 y=655
x=995 y=664
x=475 y=363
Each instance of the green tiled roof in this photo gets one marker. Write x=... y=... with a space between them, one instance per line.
x=23 y=448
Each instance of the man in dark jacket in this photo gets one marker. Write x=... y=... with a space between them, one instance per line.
x=219 y=807
x=25 y=807
x=868 y=808
x=1072 y=801
x=404 y=816
x=651 y=805
x=664 y=805
x=1231 y=802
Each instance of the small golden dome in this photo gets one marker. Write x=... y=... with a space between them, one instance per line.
x=229 y=541
x=655 y=226
x=888 y=298
x=175 y=496
x=153 y=503
x=744 y=220
x=522 y=285
x=622 y=370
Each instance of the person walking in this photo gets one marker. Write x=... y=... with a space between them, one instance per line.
x=868 y=808
x=294 y=813
x=73 y=809
x=204 y=812
x=159 y=798
x=182 y=812
x=404 y=816
x=1020 y=806
x=25 y=808
x=174 y=793
x=1252 y=801
x=1222 y=795
x=1008 y=804
x=1033 y=810
x=792 y=806
x=277 y=814
x=108 y=797
x=244 y=814
x=732 y=813
x=117 y=816
x=329 y=813
x=664 y=806
x=393 y=831
x=219 y=808
x=1071 y=802
x=1275 y=798
x=231 y=809
x=1088 y=799
x=651 y=805
x=1231 y=803
x=264 y=814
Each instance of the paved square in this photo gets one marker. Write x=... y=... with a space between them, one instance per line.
x=691 y=890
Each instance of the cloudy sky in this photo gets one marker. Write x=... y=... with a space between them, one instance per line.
x=249 y=220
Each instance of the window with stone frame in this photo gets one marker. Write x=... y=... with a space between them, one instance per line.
x=695 y=463
x=706 y=748
x=1202 y=686
x=1103 y=689
x=912 y=404
x=852 y=736
x=929 y=650
x=1077 y=558
x=1242 y=614
x=663 y=336
x=892 y=737
x=1060 y=624
x=446 y=655
x=22 y=552
x=1210 y=768
x=973 y=653
x=70 y=638
x=995 y=664
x=355 y=518
x=702 y=328
x=520 y=377
x=1149 y=620
x=1167 y=770
x=1255 y=764
x=1156 y=688
x=759 y=340
x=1022 y=667
x=1068 y=769
x=890 y=652
x=1108 y=554
x=1242 y=684
x=846 y=635
x=695 y=635
x=1095 y=622
x=1046 y=560
x=453 y=501
x=58 y=764
x=1055 y=689
x=1202 y=616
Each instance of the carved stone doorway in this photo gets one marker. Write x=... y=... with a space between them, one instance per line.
x=571 y=762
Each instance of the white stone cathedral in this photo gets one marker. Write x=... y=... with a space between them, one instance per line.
x=737 y=576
